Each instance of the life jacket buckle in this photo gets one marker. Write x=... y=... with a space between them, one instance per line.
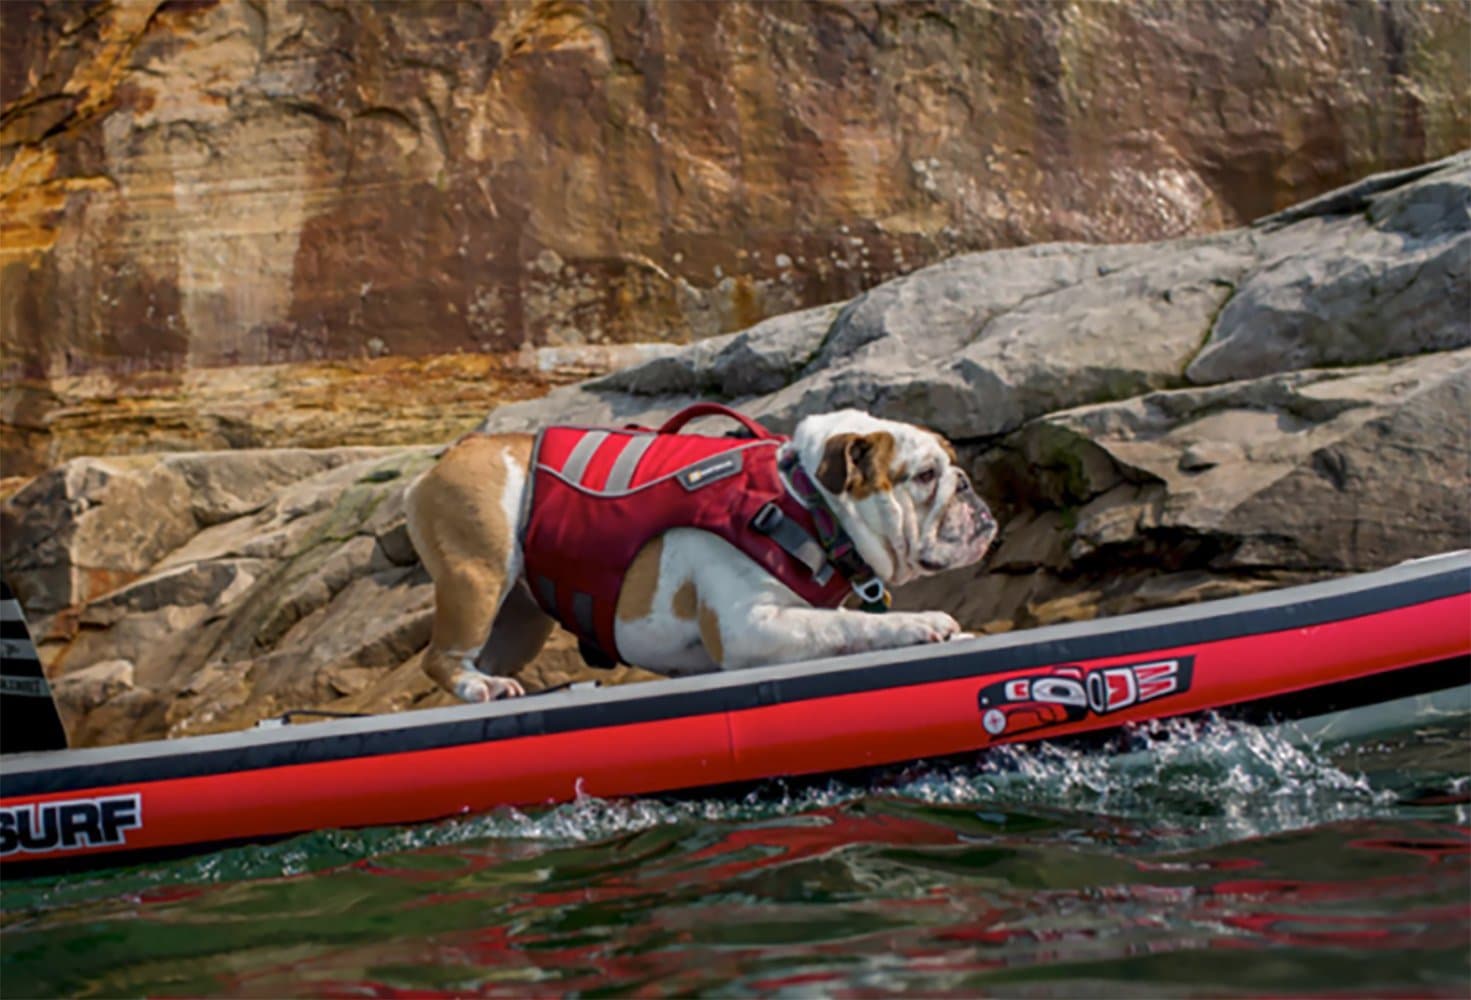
x=872 y=591
x=767 y=518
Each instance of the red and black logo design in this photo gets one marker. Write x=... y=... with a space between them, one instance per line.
x=1052 y=696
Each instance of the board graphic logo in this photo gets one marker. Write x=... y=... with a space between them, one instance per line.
x=1052 y=696
x=69 y=825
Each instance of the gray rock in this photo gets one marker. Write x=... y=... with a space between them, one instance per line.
x=1327 y=470
x=1393 y=282
x=228 y=484
x=78 y=531
x=980 y=344
x=81 y=691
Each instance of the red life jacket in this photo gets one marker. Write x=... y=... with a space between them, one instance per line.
x=599 y=495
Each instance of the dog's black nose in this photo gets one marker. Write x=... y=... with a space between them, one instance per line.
x=964 y=485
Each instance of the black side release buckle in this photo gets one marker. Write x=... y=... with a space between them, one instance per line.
x=767 y=518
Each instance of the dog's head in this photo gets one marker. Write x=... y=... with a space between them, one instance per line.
x=899 y=492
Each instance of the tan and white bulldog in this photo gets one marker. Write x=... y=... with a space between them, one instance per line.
x=691 y=602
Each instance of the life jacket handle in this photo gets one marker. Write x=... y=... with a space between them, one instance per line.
x=698 y=410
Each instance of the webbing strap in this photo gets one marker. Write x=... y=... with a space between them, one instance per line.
x=582 y=614
x=546 y=594
x=785 y=532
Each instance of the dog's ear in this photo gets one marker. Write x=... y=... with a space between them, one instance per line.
x=832 y=471
x=857 y=463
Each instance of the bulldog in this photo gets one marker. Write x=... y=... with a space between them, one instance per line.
x=890 y=500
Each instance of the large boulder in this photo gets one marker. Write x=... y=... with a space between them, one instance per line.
x=1142 y=442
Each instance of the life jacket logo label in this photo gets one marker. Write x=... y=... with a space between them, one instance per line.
x=69 y=825
x=1054 y=696
x=711 y=470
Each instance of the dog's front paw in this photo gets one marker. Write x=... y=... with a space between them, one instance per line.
x=929 y=626
x=473 y=686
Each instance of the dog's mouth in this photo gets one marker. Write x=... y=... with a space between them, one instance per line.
x=931 y=566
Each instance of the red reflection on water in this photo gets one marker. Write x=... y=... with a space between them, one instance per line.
x=747 y=849
x=1419 y=928
x=1445 y=864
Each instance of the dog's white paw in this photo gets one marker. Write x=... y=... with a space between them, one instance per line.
x=929 y=626
x=473 y=686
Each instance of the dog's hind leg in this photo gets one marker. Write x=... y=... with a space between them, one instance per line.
x=520 y=630
x=465 y=605
x=462 y=518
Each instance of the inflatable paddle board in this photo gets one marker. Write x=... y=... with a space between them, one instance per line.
x=1292 y=654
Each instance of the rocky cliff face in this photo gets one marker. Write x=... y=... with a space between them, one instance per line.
x=308 y=404
x=1155 y=423
x=188 y=184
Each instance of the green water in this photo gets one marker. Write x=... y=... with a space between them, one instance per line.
x=1212 y=861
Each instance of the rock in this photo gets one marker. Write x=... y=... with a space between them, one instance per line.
x=1309 y=474
x=94 y=524
x=210 y=583
x=316 y=406
x=81 y=691
x=195 y=185
x=126 y=717
x=90 y=526
x=223 y=490
x=1400 y=285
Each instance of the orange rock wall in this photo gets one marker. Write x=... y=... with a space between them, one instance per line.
x=191 y=184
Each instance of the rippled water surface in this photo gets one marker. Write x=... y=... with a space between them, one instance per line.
x=1213 y=860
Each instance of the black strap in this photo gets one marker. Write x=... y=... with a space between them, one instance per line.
x=593 y=655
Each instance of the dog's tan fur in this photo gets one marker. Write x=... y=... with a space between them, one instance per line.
x=860 y=465
x=686 y=603
x=710 y=633
x=641 y=583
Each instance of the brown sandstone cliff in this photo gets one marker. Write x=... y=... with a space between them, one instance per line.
x=193 y=184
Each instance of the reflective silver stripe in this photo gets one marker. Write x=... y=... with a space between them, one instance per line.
x=582 y=454
x=582 y=614
x=33 y=687
x=10 y=612
x=627 y=462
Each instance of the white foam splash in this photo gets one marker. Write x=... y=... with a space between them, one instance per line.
x=1191 y=784
x=1209 y=780
x=1200 y=782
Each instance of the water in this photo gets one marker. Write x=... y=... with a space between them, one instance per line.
x=1212 y=859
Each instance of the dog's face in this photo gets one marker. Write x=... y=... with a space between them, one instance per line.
x=898 y=491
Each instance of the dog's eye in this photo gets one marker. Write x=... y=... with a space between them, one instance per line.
x=925 y=477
